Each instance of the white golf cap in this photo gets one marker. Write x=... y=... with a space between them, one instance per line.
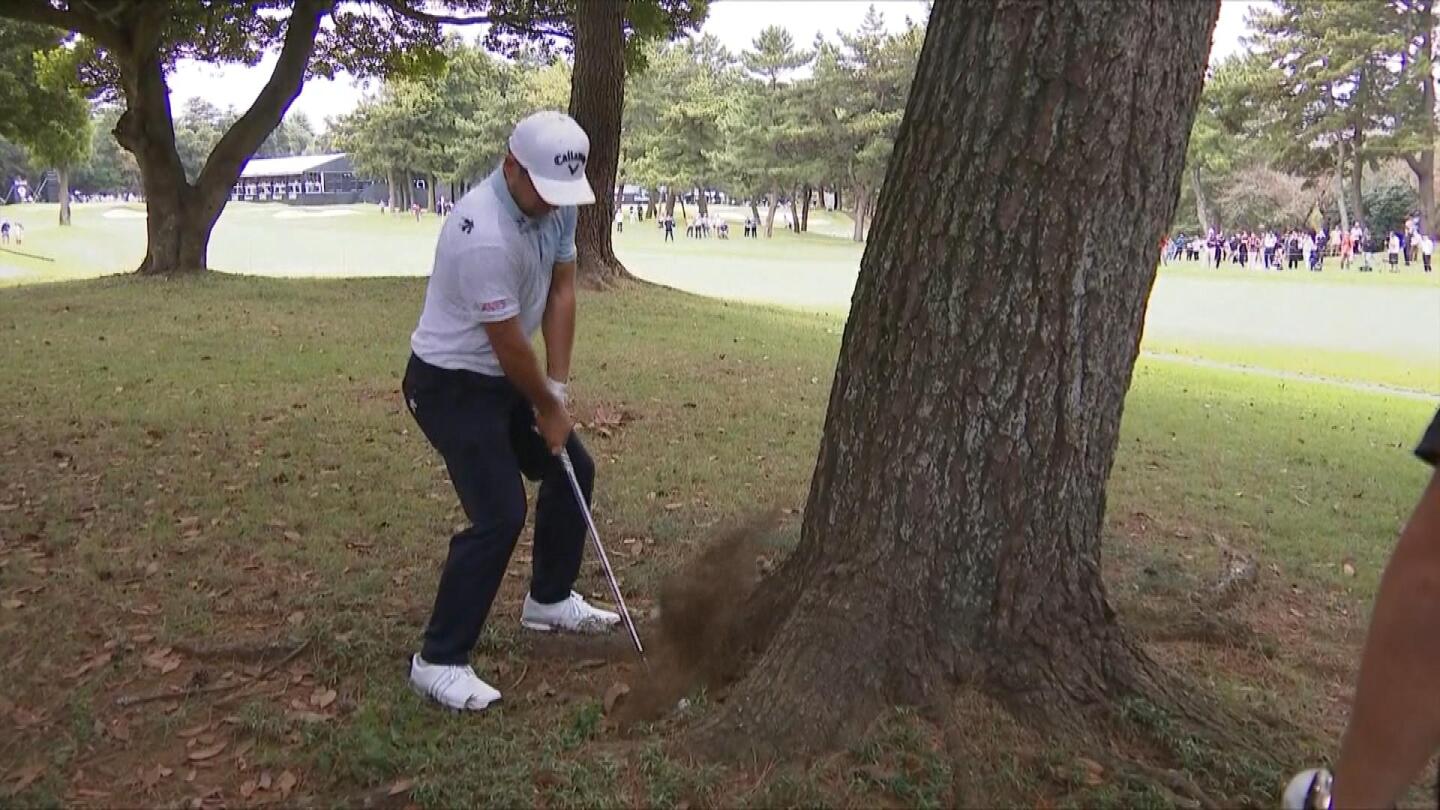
x=553 y=149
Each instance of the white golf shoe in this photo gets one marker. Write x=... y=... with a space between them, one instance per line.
x=456 y=688
x=572 y=615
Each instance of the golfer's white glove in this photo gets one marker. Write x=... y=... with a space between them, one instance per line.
x=558 y=390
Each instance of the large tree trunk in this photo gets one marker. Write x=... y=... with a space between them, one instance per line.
x=394 y=191
x=837 y=206
x=62 y=177
x=430 y=188
x=1202 y=208
x=597 y=99
x=181 y=214
x=952 y=532
x=650 y=203
x=701 y=204
x=805 y=210
x=770 y=214
x=794 y=214
x=669 y=202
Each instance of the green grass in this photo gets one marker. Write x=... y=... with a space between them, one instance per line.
x=227 y=458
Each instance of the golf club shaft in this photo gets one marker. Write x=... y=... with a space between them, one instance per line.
x=600 y=551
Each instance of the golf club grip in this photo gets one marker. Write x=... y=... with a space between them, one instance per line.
x=600 y=551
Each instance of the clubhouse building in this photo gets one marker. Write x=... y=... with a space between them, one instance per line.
x=300 y=180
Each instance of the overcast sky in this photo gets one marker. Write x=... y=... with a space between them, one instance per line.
x=734 y=22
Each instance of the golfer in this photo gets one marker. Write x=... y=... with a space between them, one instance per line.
x=504 y=267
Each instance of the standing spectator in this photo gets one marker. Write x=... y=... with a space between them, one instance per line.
x=1347 y=245
x=668 y=223
x=1217 y=244
x=19 y=230
x=1292 y=251
x=1307 y=249
x=1270 y=242
x=1393 y=249
x=1427 y=248
x=4 y=231
x=1243 y=250
x=620 y=219
x=1317 y=258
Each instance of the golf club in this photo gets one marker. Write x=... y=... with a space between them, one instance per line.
x=600 y=552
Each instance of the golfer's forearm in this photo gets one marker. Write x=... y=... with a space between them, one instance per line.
x=521 y=367
x=558 y=324
x=1395 y=725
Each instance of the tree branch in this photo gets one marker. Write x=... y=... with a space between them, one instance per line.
x=403 y=8
x=79 y=19
x=246 y=135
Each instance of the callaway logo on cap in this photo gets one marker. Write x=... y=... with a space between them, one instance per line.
x=553 y=148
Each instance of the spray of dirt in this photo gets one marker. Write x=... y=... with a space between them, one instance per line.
x=704 y=633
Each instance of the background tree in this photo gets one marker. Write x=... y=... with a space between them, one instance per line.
x=109 y=169
x=765 y=129
x=44 y=109
x=859 y=88
x=952 y=532
x=1331 y=87
x=294 y=136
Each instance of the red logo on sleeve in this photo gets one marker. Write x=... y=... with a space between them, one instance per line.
x=495 y=306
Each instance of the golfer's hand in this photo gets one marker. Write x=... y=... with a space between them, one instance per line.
x=554 y=424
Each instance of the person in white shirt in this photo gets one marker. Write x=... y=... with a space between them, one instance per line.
x=504 y=268
x=1393 y=252
x=1427 y=248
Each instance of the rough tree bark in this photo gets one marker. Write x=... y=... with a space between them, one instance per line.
x=597 y=99
x=952 y=532
x=770 y=214
x=394 y=190
x=702 y=204
x=669 y=203
x=650 y=203
x=794 y=214
x=62 y=179
x=805 y=210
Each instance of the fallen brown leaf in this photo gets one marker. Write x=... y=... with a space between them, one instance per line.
x=590 y=663
x=402 y=786
x=193 y=731
x=286 y=783
x=248 y=788
x=12 y=604
x=94 y=663
x=323 y=697
x=264 y=780
x=292 y=535
x=201 y=754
